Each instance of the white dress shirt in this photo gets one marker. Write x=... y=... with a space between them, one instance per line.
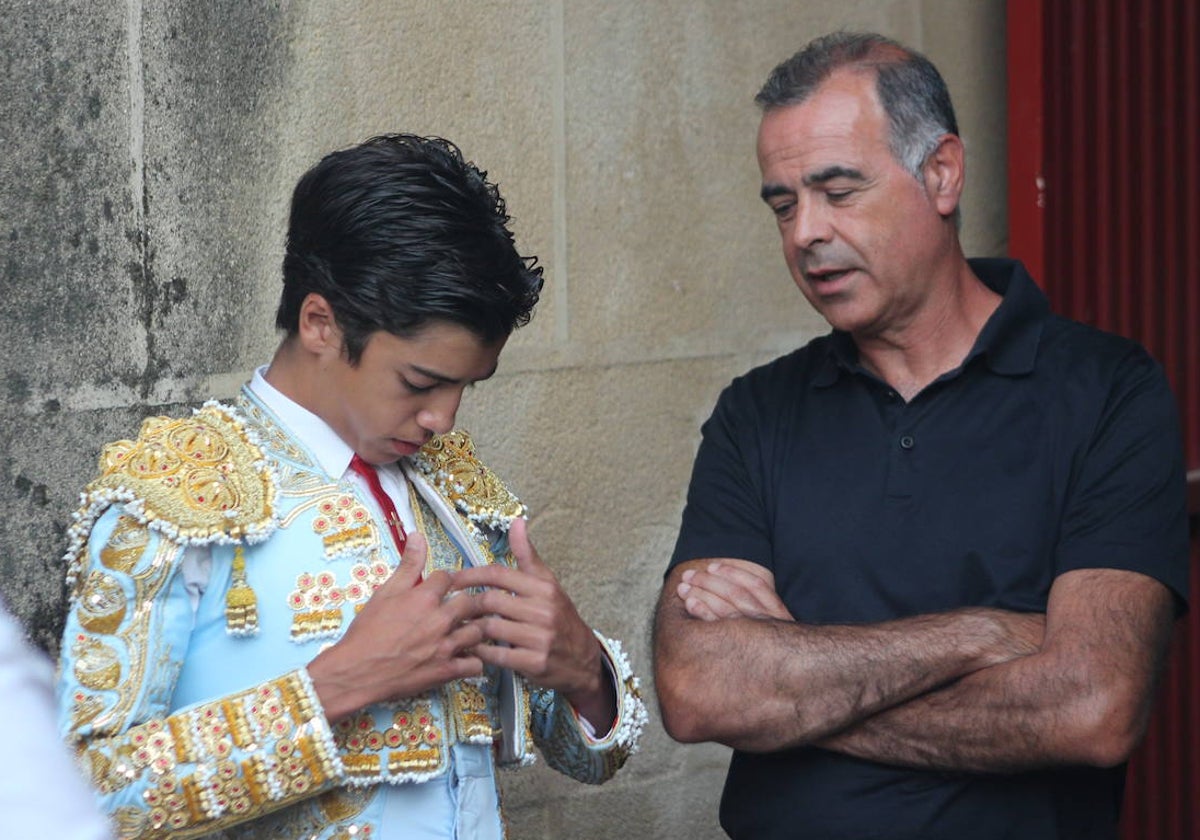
x=42 y=793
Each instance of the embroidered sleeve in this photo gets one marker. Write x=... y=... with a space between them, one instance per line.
x=565 y=743
x=203 y=767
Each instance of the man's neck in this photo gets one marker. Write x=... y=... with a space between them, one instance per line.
x=287 y=373
x=935 y=341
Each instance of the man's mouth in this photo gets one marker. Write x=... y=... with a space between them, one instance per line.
x=404 y=447
x=826 y=276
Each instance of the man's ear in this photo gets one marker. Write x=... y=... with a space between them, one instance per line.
x=945 y=173
x=318 y=330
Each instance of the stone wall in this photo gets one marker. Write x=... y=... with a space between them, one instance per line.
x=147 y=150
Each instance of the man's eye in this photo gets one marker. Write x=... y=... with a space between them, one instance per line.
x=838 y=195
x=417 y=389
x=782 y=211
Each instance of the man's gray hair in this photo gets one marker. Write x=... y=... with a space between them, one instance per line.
x=910 y=89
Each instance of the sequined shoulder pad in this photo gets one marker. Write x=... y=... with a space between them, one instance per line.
x=199 y=480
x=450 y=465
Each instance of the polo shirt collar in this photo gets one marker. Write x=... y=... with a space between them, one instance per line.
x=1008 y=341
x=841 y=355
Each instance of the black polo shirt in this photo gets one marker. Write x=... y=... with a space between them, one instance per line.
x=1054 y=446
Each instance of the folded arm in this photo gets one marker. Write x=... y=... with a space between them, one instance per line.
x=765 y=683
x=1083 y=698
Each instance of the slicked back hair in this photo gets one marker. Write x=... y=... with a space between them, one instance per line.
x=910 y=89
x=401 y=231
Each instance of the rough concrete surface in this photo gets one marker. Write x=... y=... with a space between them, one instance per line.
x=149 y=147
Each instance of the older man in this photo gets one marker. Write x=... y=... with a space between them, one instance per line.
x=930 y=562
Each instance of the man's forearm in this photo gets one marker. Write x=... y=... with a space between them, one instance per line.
x=762 y=685
x=1084 y=699
x=994 y=720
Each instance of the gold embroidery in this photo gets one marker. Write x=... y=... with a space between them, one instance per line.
x=365 y=578
x=326 y=812
x=343 y=525
x=97 y=665
x=344 y=803
x=227 y=791
x=361 y=766
x=131 y=822
x=415 y=732
x=355 y=732
x=110 y=774
x=98 y=767
x=475 y=490
x=153 y=747
x=269 y=713
x=254 y=771
x=169 y=804
x=241 y=604
x=413 y=742
x=135 y=634
x=414 y=761
x=212 y=732
x=297 y=767
x=239 y=725
x=272 y=435
x=200 y=474
x=185 y=746
x=125 y=545
x=470 y=709
x=317 y=600
x=101 y=603
x=84 y=708
x=220 y=790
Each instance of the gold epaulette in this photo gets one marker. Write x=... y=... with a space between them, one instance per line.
x=199 y=479
x=450 y=464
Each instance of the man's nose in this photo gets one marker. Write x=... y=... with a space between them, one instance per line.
x=810 y=225
x=438 y=414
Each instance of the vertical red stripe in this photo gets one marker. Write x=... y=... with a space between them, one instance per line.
x=1026 y=198
x=1188 y=381
x=1075 y=264
x=1117 y=140
x=1126 y=130
x=1100 y=207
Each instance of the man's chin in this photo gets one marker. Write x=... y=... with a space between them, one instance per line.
x=843 y=315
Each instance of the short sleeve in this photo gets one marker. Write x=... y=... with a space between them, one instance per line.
x=727 y=512
x=1127 y=508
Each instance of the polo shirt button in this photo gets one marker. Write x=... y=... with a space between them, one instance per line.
x=907 y=442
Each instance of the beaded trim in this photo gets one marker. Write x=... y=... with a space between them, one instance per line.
x=631 y=715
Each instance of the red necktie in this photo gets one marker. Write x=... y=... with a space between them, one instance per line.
x=370 y=475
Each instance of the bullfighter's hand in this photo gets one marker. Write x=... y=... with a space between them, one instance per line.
x=537 y=631
x=408 y=639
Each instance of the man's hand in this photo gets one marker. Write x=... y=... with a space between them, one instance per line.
x=539 y=631
x=407 y=639
x=729 y=588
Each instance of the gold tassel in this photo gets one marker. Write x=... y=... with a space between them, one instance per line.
x=241 y=604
